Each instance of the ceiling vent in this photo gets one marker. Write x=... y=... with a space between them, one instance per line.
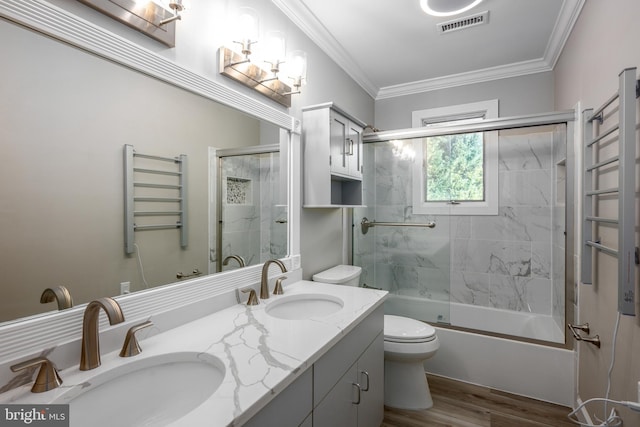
x=463 y=23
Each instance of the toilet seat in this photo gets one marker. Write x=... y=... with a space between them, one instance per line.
x=400 y=329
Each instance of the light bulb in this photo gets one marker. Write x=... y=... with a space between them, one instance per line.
x=297 y=67
x=274 y=49
x=248 y=24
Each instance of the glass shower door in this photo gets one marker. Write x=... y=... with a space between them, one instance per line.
x=252 y=225
x=412 y=263
x=499 y=271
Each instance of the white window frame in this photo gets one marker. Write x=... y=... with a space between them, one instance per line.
x=463 y=113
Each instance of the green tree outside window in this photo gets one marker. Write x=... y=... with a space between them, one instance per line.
x=454 y=168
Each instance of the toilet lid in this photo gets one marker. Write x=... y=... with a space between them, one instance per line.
x=404 y=329
x=338 y=274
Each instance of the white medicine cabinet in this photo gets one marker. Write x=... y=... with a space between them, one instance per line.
x=332 y=157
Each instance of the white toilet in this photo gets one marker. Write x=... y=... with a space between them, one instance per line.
x=407 y=344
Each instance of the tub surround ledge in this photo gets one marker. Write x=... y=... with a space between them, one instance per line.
x=261 y=354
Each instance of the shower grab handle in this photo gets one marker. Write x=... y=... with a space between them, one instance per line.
x=365 y=224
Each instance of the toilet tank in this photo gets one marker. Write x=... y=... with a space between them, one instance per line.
x=341 y=274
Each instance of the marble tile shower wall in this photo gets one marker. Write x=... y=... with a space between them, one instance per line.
x=406 y=261
x=505 y=261
x=502 y=261
x=241 y=214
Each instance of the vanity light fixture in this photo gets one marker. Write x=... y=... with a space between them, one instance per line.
x=177 y=6
x=447 y=7
x=270 y=79
x=247 y=26
x=297 y=69
x=155 y=19
x=275 y=52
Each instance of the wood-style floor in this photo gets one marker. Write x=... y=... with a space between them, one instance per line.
x=457 y=404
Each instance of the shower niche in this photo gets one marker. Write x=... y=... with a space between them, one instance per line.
x=238 y=191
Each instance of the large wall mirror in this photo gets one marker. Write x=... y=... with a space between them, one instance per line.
x=65 y=117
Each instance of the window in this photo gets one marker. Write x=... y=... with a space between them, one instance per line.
x=456 y=174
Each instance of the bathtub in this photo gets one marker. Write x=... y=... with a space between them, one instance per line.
x=534 y=370
x=517 y=323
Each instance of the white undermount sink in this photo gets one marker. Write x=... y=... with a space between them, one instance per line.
x=304 y=306
x=153 y=391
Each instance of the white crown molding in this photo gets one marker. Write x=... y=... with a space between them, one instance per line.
x=310 y=25
x=567 y=17
x=471 y=77
x=304 y=19
x=564 y=25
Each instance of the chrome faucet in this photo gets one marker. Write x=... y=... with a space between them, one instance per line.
x=90 y=355
x=236 y=257
x=264 y=282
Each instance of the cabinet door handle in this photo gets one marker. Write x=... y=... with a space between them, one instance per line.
x=359 y=391
x=350 y=147
x=366 y=374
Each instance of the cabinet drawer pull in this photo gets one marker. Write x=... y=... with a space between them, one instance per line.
x=359 y=391
x=366 y=374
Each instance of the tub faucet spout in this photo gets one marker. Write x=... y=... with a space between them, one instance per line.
x=90 y=355
x=264 y=282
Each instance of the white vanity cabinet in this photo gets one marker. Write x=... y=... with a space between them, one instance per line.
x=291 y=408
x=348 y=381
x=332 y=157
x=345 y=387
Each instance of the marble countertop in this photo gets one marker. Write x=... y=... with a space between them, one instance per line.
x=261 y=354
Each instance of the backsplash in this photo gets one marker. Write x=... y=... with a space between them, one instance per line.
x=58 y=335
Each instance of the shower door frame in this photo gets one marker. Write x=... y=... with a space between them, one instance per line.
x=568 y=118
x=234 y=152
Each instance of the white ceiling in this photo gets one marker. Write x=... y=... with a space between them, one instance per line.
x=392 y=48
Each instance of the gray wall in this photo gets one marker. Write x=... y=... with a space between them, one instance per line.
x=321 y=243
x=64 y=118
x=517 y=95
x=202 y=30
x=603 y=42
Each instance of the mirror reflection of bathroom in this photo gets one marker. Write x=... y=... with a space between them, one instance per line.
x=252 y=209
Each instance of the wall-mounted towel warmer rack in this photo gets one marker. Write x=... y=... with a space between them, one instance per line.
x=171 y=191
x=594 y=139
